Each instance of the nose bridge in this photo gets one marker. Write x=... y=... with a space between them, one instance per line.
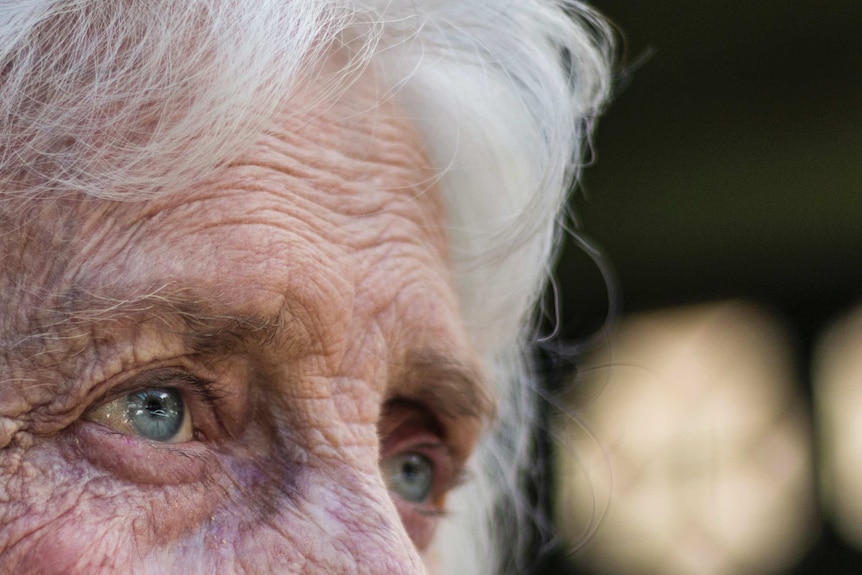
x=358 y=516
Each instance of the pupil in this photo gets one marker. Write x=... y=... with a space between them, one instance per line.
x=411 y=477
x=156 y=414
x=411 y=470
x=155 y=407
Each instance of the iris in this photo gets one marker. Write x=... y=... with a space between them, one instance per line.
x=157 y=414
x=411 y=476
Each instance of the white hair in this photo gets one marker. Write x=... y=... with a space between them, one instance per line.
x=129 y=99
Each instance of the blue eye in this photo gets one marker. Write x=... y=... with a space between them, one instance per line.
x=157 y=414
x=410 y=475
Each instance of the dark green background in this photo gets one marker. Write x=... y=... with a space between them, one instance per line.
x=729 y=165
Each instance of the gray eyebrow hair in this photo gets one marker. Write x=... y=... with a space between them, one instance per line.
x=207 y=325
x=454 y=387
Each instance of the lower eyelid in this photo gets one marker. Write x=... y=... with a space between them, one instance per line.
x=420 y=522
x=139 y=460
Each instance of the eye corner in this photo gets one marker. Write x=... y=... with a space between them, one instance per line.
x=158 y=405
x=399 y=414
x=417 y=463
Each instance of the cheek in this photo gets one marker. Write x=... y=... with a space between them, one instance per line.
x=59 y=516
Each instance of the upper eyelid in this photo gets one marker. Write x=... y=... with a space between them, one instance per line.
x=429 y=443
x=456 y=474
x=164 y=377
x=202 y=387
x=187 y=383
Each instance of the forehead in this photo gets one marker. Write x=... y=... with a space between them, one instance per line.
x=331 y=215
x=352 y=163
x=344 y=186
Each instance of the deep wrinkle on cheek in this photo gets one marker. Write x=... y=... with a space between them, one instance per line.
x=88 y=525
x=68 y=505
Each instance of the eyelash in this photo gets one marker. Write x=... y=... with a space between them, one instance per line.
x=414 y=430
x=418 y=430
x=144 y=462
x=189 y=386
x=203 y=389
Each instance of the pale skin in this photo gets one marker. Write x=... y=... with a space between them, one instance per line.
x=300 y=305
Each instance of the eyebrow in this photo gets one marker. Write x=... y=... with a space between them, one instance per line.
x=206 y=325
x=454 y=388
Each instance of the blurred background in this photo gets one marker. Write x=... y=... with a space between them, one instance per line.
x=718 y=428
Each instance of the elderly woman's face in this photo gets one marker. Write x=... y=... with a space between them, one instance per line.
x=265 y=373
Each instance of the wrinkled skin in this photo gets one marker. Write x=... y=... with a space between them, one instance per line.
x=308 y=283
